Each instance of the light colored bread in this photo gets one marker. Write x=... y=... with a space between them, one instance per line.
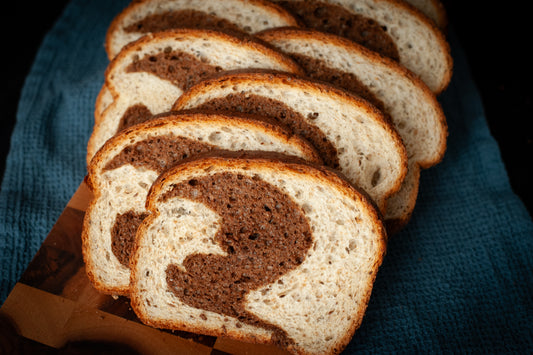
x=350 y=133
x=434 y=9
x=176 y=53
x=421 y=46
x=120 y=186
x=310 y=303
x=248 y=16
x=411 y=106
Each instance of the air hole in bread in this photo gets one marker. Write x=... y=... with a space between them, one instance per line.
x=376 y=176
x=312 y=115
x=307 y=208
x=214 y=137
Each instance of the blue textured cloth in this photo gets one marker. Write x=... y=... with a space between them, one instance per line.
x=457 y=279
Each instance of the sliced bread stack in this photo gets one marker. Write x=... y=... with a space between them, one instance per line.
x=122 y=171
x=249 y=161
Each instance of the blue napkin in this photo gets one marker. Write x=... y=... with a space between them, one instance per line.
x=458 y=279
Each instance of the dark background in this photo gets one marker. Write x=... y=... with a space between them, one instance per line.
x=495 y=38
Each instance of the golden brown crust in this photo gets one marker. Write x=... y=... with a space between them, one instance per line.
x=261 y=159
x=271 y=76
x=99 y=105
x=243 y=41
x=301 y=81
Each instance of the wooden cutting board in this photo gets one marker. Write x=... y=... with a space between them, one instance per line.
x=54 y=306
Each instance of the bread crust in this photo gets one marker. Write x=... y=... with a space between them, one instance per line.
x=177 y=118
x=309 y=166
x=396 y=224
x=252 y=161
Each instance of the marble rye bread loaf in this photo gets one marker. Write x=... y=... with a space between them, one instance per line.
x=149 y=74
x=123 y=170
x=256 y=208
x=350 y=134
x=257 y=249
x=411 y=106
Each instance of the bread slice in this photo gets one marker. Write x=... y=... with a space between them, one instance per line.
x=351 y=135
x=146 y=16
x=123 y=170
x=148 y=75
x=412 y=107
x=391 y=27
x=259 y=250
